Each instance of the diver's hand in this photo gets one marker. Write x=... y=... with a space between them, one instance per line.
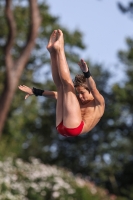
x=26 y=89
x=83 y=66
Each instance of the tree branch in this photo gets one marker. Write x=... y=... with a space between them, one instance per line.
x=11 y=34
x=35 y=21
x=14 y=69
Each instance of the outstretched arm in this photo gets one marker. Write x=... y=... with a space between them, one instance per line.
x=91 y=83
x=29 y=92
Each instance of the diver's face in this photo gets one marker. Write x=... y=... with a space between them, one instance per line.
x=83 y=94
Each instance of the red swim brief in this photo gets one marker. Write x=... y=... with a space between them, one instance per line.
x=69 y=132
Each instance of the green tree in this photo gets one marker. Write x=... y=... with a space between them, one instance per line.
x=30 y=128
x=105 y=153
x=18 y=37
x=13 y=65
x=124 y=95
x=24 y=118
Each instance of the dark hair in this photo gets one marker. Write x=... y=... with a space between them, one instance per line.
x=80 y=80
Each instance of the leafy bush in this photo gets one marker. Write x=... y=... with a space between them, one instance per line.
x=35 y=181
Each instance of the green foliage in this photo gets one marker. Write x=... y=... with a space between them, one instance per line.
x=34 y=180
x=105 y=153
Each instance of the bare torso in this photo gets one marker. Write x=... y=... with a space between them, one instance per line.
x=91 y=114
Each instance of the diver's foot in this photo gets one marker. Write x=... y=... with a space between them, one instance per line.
x=52 y=40
x=59 y=43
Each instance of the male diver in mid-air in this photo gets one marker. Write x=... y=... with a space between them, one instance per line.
x=79 y=104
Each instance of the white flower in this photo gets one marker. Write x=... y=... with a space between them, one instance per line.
x=56 y=194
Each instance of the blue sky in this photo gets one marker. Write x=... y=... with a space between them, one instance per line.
x=103 y=26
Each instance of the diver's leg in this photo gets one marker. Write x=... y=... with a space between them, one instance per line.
x=56 y=78
x=71 y=108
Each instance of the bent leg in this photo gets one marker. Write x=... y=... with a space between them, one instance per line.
x=71 y=108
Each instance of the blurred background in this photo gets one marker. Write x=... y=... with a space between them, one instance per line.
x=101 y=33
